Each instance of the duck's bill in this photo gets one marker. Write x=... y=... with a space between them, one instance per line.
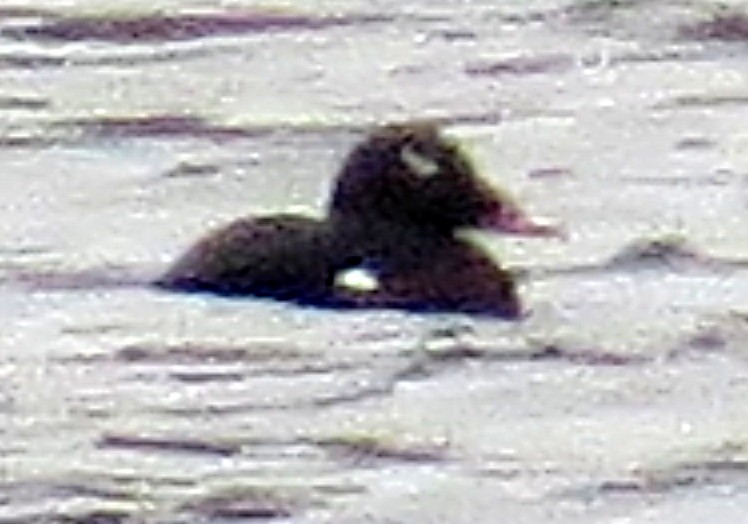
x=513 y=221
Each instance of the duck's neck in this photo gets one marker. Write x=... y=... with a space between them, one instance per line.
x=389 y=238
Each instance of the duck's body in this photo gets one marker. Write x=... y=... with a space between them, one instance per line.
x=399 y=201
x=266 y=256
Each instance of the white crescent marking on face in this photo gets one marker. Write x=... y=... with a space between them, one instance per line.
x=418 y=164
x=357 y=279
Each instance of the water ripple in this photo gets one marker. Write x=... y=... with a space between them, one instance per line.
x=723 y=25
x=177 y=27
x=142 y=443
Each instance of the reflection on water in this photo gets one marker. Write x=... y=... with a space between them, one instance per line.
x=126 y=134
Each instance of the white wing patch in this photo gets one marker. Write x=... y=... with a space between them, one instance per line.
x=357 y=279
x=418 y=164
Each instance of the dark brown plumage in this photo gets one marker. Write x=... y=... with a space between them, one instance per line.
x=389 y=240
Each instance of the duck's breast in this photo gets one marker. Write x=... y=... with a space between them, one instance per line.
x=459 y=278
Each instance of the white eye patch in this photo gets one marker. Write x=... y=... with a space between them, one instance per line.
x=418 y=164
x=357 y=279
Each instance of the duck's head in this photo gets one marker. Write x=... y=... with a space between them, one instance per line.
x=409 y=175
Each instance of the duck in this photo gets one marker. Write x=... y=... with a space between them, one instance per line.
x=392 y=237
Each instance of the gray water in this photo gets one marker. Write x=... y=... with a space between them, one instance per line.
x=128 y=131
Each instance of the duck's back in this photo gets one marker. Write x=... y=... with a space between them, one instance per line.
x=282 y=256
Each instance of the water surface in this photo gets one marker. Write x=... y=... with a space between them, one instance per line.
x=127 y=132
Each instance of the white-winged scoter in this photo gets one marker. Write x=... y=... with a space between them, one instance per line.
x=389 y=239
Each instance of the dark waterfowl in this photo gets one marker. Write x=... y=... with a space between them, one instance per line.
x=389 y=239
